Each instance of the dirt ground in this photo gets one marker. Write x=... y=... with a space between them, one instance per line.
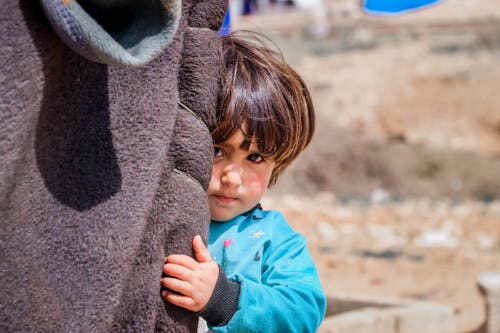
x=399 y=193
x=416 y=249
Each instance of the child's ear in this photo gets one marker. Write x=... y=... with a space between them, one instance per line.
x=274 y=177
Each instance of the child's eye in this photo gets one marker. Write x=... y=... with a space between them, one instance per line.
x=217 y=152
x=256 y=158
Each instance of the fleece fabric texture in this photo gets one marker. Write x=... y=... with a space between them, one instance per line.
x=122 y=33
x=102 y=174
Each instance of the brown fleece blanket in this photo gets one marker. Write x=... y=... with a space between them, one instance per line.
x=102 y=174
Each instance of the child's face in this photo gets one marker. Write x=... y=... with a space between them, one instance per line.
x=239 y=178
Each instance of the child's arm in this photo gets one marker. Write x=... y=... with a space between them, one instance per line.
x=289 y=297
x=192 y=281
x=280 y=290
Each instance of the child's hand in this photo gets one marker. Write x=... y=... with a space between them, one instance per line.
x=193 y=280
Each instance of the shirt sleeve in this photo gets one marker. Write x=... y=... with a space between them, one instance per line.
x=223 y=303
x=288 y=299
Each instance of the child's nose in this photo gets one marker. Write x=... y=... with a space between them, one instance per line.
x=232 y=175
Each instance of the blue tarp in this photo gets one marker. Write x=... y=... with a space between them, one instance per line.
x=226 y=25
x=395 y=7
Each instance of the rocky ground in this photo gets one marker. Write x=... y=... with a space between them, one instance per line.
x=399 y=193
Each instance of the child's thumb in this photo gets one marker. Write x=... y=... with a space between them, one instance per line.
x=200 y=250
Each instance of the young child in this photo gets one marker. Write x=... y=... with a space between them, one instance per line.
x=257 y=274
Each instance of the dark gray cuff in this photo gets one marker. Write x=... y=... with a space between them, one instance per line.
x=223 y=303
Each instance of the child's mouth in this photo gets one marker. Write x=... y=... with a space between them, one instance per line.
x=224 y=199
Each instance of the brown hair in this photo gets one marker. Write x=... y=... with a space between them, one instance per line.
x=262 y=94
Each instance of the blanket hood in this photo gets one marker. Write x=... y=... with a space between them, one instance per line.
x=115 y=32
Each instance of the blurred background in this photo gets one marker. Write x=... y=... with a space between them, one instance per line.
x=399 y=192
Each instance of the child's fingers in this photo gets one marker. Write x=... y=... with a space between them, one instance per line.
x=200 y=250
x=181 y=260
x=182 y=287
x=179 y=300
x=177 y=271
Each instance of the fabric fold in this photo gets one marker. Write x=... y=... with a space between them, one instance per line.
x=115 y=32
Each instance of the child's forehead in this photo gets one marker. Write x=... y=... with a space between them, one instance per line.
x=258 y=135
x=240 y=139
x=249 y=142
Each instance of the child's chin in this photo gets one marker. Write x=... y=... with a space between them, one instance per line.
x=223 y=217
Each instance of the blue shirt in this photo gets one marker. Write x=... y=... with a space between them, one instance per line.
x=280 y=288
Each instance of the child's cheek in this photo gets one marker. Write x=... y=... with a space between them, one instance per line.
x=257 y=183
